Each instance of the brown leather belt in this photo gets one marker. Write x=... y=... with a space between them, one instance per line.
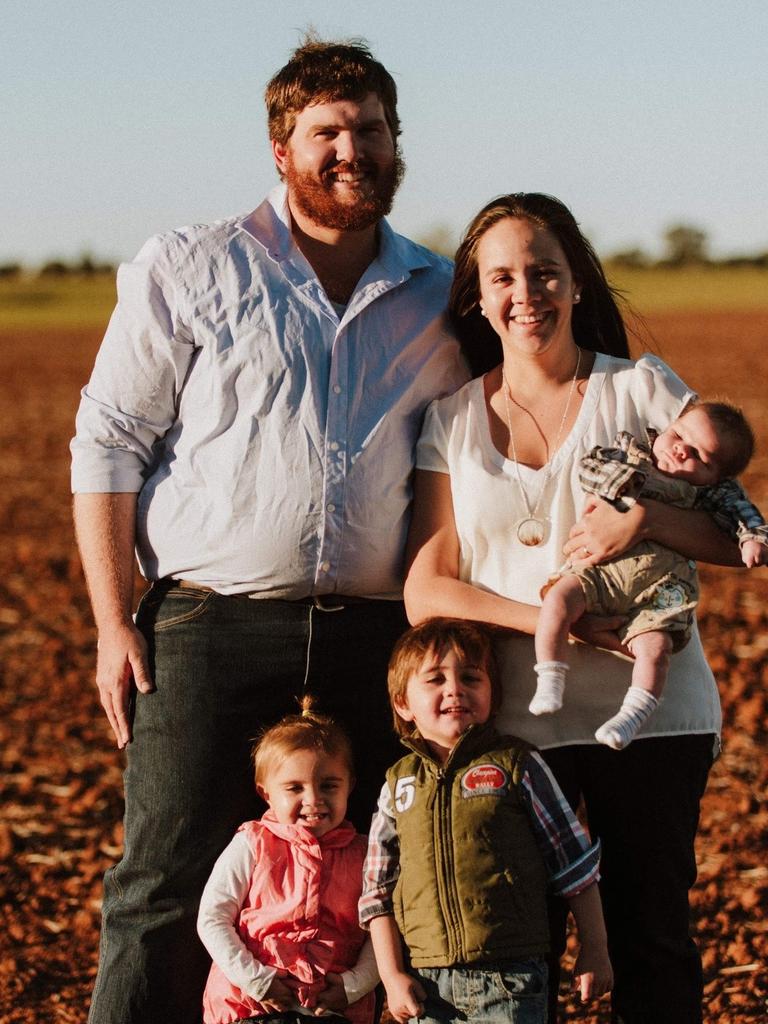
x=323 y=602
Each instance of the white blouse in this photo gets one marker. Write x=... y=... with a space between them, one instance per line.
x=487 y=504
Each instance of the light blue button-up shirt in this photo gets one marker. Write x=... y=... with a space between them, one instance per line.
x=271 y=442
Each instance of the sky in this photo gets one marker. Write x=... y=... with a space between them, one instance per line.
x=122 y=118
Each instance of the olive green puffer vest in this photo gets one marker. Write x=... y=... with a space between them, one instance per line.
x=472 y=879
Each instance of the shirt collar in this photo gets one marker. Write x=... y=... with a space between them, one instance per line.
x=270 y=225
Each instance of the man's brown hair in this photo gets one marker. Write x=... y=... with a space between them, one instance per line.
x=470 y=640
x=324 y=72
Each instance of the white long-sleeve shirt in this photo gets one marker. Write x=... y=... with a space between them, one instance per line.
x=269 y=438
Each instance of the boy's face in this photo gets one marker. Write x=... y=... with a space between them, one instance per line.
x=689 y=449
x=309 y=788
x=444 y=697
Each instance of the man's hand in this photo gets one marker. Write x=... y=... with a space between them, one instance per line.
x=121 y=664
x=592 y=973
x=333 y=998
x=603 y=533
x=405 y=997
x=279 y=997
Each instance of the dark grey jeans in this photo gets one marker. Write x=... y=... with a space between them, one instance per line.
x=224 y=667
x=643 y=805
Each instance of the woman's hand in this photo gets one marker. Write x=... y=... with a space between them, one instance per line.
x=603 y=533
x=601 y=631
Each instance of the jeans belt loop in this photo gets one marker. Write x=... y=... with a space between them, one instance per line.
x=321 y=602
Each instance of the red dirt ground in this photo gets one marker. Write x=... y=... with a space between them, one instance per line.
x=61 y=783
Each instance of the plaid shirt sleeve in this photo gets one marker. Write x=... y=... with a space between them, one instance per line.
x=382 y=862
x=733 y=512
x=613 y=473
x=573 y=864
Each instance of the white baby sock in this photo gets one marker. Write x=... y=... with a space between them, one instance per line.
x=550 y=684
x=620 y=730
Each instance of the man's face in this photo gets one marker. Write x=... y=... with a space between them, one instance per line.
x=341 y=164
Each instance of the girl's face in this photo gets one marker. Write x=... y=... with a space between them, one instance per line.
x=309 y=788
x=527 y=290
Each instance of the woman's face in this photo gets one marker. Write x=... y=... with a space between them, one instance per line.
x=527 y=289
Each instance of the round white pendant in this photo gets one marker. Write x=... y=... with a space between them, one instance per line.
x=530 y=531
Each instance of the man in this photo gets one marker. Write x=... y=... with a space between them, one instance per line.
x=249 y=428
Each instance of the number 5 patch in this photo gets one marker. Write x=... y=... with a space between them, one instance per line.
x=405 y=792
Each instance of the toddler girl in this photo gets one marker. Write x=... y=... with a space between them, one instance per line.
x=279 y=912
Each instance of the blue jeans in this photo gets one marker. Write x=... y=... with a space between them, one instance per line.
x=224 y=667
x=513 y=993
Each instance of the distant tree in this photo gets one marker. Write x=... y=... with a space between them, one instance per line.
x=86 y=265
x=631 y=258
x=10 y=270
x=685 y=244
x=55 y=268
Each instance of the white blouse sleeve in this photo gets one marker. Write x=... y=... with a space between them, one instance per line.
x=223 y=896
x=364 y=976
x=657 y=391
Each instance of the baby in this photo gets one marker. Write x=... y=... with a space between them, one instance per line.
x=690 y=464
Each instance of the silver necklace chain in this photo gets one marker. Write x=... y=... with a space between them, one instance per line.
x=531 y=529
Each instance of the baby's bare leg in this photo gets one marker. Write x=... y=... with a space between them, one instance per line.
x=649 y=674
x=563 y=604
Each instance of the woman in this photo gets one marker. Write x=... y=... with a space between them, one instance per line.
x=497 y=504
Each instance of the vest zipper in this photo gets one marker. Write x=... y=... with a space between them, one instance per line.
x=446 y=869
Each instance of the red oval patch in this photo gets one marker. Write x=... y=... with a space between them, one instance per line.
x=484 y=776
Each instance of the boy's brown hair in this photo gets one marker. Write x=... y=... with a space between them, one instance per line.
x=324 y=72
x=735 y=433
x=308 y=730
x=470 y=640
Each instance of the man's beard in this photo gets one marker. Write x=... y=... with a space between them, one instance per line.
x=314 y=196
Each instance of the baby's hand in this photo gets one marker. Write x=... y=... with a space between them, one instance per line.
x=592 y=973
x=333 y=997
x=754 y=553
x=405 y=997
x=279 y=997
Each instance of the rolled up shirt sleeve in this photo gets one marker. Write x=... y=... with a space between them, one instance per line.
x=572 y=862
x=131 y=399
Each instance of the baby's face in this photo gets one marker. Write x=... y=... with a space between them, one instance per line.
x=689 y=449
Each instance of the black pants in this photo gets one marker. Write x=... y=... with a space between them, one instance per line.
x=643 y=805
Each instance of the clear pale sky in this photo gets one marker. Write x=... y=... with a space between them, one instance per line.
x=125 y=117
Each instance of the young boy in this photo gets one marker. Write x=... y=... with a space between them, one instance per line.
x=691 y=463
x=471 y=828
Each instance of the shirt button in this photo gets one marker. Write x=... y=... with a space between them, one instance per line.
x=337 y=389
x=333 y=446
x=325 y=566
x=330 y=507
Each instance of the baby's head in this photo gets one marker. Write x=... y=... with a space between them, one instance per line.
x=443 y=679
x=304 y=770
x=710 y=442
